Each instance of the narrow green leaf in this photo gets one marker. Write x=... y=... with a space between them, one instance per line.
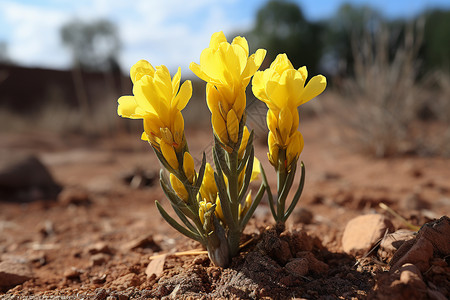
x=297 y=194
x=252 y=208
x=269 y=192
x=247 y=176
x=177 y=226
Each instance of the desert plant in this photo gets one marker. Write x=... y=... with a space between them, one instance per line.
x=214 y=205
x=382 y=96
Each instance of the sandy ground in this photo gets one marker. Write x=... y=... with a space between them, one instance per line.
x=97 y=238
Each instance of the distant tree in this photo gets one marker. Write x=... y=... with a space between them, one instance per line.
x=437 y=39
x=94 y=45
x=4 y=56
x=348 y=25
x=281 y=28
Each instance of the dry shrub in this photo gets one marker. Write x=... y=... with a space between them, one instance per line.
x=382 y=100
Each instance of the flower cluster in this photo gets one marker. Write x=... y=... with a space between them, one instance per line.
x=215 y=204
x=282 y=88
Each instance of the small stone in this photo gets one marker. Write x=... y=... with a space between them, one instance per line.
x=410 y=275
x=142 y=242
x=392 y=241
x=99 y=259
x=303 y=216
x=433 y=237
x=72 y=274
x=13 y=273
x=100 y=247
x=297 y=267
x=74 y=197
x=363 y=232
x=126 y=281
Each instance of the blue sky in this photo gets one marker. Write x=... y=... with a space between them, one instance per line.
x=169 y=32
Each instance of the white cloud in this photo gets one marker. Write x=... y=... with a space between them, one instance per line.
x=170 y=32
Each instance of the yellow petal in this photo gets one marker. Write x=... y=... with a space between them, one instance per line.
x=285 y=124
x=176 y=81
x=188 y=167
x=178 y=129
x=272 y=120
x=281 y=64
x=182 y=98
x=166 y=135
x=241 y=41
x=219 y=211
x=212 y=98
x=273 y=149
x=169 y=154
x=232 y=126
x=256 y=170
x=239 y=104
x=216 y=39
x=140 y=69
x=129 y=109
x=294 y=148
x=153 y=125
x=245 y=136
x=197 y=70
x=315 y=87
x=220 y=127
x=179 y=188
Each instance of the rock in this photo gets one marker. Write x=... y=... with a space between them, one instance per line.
x=72 y=273
x=24 y=178
x=297 y=267
x=76 y=197
x=302 y=215
x=410 y=275
x=13 y=273
x=142 y=242
x=99 y=259
x=314 y=265
x=433 y=237
x=156 y=266
x=363 y=232
x=392 y=241
x=100 y=247
x=126 y=281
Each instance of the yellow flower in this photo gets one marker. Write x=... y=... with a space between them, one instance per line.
x=225 y=116
x=158 y=99
x=203 y=207
x=188 y=167
x=227 y=68
x=243 y=209
x=208 y=188
x=245 y=137
x=225 y=64
x=294 y=149
x=283 y=86
x=169 y=154
x=179 y=188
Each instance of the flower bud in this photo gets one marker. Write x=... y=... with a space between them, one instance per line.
x=179 y=188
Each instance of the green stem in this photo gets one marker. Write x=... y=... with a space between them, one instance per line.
x=234 y=233
x=281 y=179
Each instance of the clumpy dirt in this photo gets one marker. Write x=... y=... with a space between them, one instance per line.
x=95 y=240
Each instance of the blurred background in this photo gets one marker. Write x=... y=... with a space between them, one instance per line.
x=63 y=64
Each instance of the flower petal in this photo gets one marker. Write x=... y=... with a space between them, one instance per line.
x=315 y=87
x=184 y=94
x=129 y=109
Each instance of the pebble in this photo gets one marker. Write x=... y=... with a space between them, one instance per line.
x=363 y=232
x=297 y=267
x=392 y=241
x=99 y=259
x=13 y=273
x=100 y=247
